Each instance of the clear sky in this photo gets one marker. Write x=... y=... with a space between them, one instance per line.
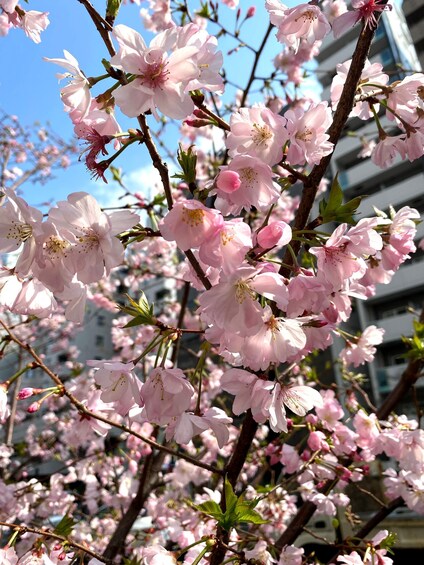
x=29 y=87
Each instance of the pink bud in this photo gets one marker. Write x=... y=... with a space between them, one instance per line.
x=306 y=454
x=316 y=441
x=199 y=113
x=346 y=475
x=275 y=233
x=34 y=407
x=251 y=12
x=228 y=181
x=26 y=393
x=197 y=123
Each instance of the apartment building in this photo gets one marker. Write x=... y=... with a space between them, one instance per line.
x=400 y=185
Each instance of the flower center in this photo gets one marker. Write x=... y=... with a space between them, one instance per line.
x=55 y=246
x=305 y=135
x=308 y=15
x=90 y=240
x=192 y=217
x=154 y=73
x=248 y=177
x=22 y=232
x=243 y=291
x=261 y=134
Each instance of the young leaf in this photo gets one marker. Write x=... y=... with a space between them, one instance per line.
x=333 y=209
x=65 y=526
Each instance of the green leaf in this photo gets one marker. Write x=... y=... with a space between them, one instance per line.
x=333 y=209
x=141 y=311
x=112 y=9
x=65 y=526
x=204 y=11
x=187 y=161
x=245 y=513
x=230 y=498
x=211 y=508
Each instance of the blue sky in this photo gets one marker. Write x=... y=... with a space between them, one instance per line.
x=29 y=87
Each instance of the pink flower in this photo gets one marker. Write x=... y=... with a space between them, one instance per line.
x=228 y=181
x=277 y=340
x=19 y=224
x=372 y=75
x=160 y=79
x=190 y=223
x=306 y=131
x=291 y=555
x=232 y=306
x=4 y=406
x=305 y=21
x=8 y=5
x=362 y=10
x=300 y=399
x=336 y=263
x=76 y=95
x=208 y=61
x=257 y=187
x=166 y=394
x=157 y=555
x=257 y=132
x=260 y=554
x=95 y=249
x=228 y=247
x=35 y=299
x=33 y=23
x=363 y=350
x=118 y=384
x=387 y=149
x=8 y=556
x=274 y=234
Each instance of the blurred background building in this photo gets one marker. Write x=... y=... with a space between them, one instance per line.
x=395 y=46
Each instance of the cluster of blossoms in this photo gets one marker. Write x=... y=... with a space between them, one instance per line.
x=30 y=153
x=403 y=102
x=58 y=257
x=12 y=15
x=257 y=318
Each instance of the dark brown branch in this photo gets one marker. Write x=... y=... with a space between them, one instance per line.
x=233 y=469
x=151 y=468
x=102 y=26
x=340 y=117
x=255 y=64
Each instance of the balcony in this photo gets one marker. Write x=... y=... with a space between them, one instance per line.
x=398 y=195
x=407 y=277
x=396 y=326
x=389 y=376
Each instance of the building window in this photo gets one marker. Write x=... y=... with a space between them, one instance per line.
x=101 y=320
x=100 y=340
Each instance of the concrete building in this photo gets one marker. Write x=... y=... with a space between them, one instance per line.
x=414 y=13
x=400 y=185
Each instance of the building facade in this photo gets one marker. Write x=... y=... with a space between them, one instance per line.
x=400 y=185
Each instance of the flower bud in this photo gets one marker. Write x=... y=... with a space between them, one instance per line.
x=27 y=392
x=228 y=181
x=251 y=12
x=34 y=407
x=275 y=233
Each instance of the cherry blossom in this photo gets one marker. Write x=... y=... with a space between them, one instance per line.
x=76 y=95
x=257 y=132
x=190 y=224
x=363 y=350
x=306 y=132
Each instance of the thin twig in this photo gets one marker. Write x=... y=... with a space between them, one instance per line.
x=22 y=529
